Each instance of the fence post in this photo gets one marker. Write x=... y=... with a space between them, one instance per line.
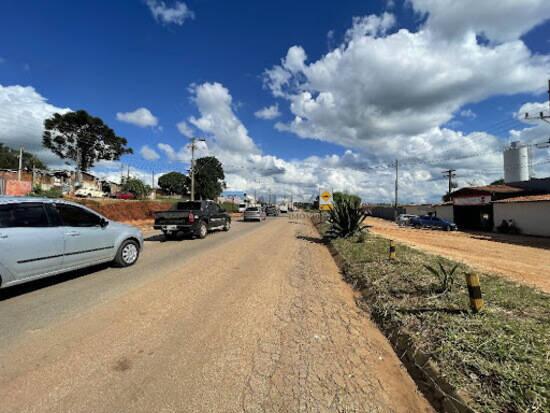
x=474 y=291
x=392 y=250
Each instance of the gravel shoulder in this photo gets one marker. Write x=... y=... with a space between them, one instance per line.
x=266 y=325
x=518 y=258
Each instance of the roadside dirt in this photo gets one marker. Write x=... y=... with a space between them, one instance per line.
x=272 y=328
x=125 y=210
x=519 y=258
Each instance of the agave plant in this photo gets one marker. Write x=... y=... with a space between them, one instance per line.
x=346 y=218
x=446 y=276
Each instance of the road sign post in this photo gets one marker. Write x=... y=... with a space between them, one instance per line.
x=326 y=202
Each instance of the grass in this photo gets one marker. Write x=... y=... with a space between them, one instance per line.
x=499 y=358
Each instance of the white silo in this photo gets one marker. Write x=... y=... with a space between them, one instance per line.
x=516 y=163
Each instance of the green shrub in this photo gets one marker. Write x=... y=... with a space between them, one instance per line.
x=346 y=218
x=50 y=193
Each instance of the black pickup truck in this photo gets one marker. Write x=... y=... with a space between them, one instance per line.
x=193 y=218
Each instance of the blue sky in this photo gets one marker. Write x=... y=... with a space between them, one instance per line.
x=115 y=57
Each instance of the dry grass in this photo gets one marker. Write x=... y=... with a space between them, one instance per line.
x=499 y=358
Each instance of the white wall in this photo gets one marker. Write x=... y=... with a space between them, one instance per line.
x=532 y=218
x=445 y=212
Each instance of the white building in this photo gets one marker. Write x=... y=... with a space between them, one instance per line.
x=530 y=214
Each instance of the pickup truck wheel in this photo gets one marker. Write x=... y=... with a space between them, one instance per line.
x=170 y=235
x=128 y=254
x=203 y=230
x=227 y=225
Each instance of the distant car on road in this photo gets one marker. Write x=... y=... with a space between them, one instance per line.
x=89 y=193
x=272 y=211
x=404 y=219
x=43 y=237
x=194 y=218
x=283 y=209
x=254 y=213
x=427 y=221
x=125 y=195
x=242 y=207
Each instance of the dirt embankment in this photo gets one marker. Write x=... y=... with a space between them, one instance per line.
x=133 y=212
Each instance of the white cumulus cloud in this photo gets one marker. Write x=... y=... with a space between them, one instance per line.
x=218 y=119
x=498 y=20
x=141 y=117
x=268 y=113
x=185 y=129
x=176 y=14
x=148 y=153
x=22 y=114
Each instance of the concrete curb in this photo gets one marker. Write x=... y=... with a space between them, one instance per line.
x=442 y=395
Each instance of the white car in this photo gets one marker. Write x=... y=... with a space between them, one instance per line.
x=242 y=207
x=44 y=237
x=404 y=219
x=283 y=209
x=85 y=192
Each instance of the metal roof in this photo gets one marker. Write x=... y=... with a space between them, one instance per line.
x=487 y=189
x=528 y=198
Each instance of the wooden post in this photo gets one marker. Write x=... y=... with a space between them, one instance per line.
x=392 y=250
x=474 y=291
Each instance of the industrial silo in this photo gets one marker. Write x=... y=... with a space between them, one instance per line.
x=516 y=163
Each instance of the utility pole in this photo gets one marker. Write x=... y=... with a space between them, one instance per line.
x=121 y=173
x=542 y=116
x=128 y=174
x=450 y=175
x=20 y=169
x=193 y=147
x=153 y=192
x=396 y=186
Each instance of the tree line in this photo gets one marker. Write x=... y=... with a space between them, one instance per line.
x=86 y=140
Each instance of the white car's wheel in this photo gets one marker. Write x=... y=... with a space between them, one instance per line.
x=127 y=254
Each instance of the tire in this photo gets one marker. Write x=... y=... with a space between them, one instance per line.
x=170 y=236
x=203 y=230
x=227 y=225
x=128 y=254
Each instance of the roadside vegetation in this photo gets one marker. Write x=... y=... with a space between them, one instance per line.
x=497 y=360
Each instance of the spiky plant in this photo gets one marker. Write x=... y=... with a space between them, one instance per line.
x=446 y=276
x=346 y=218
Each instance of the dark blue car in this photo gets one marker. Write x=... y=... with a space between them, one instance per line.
x=428 y=221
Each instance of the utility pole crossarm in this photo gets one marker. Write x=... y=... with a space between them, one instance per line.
x=450 y=175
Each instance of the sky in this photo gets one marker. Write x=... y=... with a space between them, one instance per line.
x=290 y=96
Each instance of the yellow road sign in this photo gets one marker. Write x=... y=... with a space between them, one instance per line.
x=325 y=196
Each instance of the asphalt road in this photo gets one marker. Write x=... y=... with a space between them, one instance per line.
x=252 y=320
x=33 y=306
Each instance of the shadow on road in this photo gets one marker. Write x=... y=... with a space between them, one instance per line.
x=156 y=238
x=17 y=290
x=313 y=240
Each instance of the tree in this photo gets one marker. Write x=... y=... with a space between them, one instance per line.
x=136 y=187
x=67 y=135
x=175 y=183
x=338 y=196
x=209 y=178
x=9 y=159
x=498 y=182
